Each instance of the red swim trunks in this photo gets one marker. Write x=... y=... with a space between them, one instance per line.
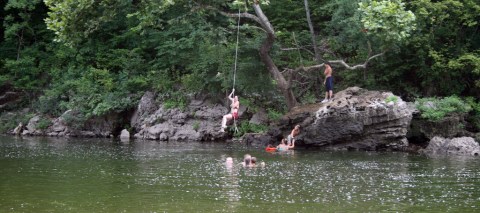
x=235 y=115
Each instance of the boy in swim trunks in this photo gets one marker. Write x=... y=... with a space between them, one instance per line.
x=328 y=83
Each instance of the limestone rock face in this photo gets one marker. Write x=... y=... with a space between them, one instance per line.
x=354 y=119
x=463 y=146
x=199 y=121
x=259 y=117
x=145 y=107
x=448 y=127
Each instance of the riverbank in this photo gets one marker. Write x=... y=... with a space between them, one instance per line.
x=356 y=119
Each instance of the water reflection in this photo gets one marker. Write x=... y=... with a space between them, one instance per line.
x=92 y=175
x=230 y=184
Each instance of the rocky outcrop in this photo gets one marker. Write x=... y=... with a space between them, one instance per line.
x=448 y=127
x=199 y=121
x=354 y=119
x=463 y=146
x=66 y=125
x=32 y=127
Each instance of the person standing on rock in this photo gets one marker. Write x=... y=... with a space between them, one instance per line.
x=328 y=82
x=291 y=136
x=233 y=112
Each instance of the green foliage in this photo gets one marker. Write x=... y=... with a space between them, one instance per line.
x=74 y=120
x=391 y=98
x=387 y=19
x=8 y=121
x=196 y=125
x=75 y=20
x=247 y=127
x=474 y=117
x=273 y=114
x=43 y=123
x=309 y=98
x=176 y=101
x=116 y=50
x=436 y=109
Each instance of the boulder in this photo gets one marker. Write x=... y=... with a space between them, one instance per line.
x=124 y=135
x=355 y=119
x=145 y=108
x=463 y=146
x=199 y=121
x=259 y=117
x=448 y=127
x=258 y=140
x=18 y=130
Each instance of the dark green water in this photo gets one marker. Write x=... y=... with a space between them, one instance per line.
x=94 y=175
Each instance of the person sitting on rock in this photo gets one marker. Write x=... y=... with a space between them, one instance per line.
x=233 y=112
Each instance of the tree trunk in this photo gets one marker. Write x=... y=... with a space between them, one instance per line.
x=312 y=32
x=283 y=85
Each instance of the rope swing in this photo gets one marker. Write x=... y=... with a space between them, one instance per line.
x=235 y=67
x=236 y=52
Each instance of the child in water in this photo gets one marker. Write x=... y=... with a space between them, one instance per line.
x=284 y=147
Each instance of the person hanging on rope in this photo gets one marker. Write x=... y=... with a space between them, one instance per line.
x=233 y=112
x=328 y=83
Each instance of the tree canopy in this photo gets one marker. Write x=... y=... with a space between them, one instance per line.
x=99 y=57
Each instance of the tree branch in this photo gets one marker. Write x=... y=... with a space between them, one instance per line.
x=231 y=15
x=340 y=62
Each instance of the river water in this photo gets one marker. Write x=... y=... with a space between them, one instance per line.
x=100 y=175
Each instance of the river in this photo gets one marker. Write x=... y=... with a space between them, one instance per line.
x=102 y=175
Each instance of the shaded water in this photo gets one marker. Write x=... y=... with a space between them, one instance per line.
x=95 y=175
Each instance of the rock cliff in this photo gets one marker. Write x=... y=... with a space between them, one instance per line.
x=354 y=119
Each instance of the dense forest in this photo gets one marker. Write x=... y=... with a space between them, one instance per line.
x=98 y=57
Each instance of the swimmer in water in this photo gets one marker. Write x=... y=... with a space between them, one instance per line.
x=229 y=162
x=284 y=147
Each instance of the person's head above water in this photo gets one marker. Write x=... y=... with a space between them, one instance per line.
x=253 y=160
x=247 y=159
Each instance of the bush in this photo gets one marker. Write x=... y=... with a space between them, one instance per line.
x=44 y=123
x=474 y=116
x=392 y=98
x=273 y=115
x=8 y=121
x=436 y=109
x=247 y=127
x=196 y=125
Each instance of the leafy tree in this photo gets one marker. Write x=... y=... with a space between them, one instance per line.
x=24 y=50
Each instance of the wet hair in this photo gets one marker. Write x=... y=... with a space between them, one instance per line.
x=247 y=161
x=254 y=160
x=327 y=63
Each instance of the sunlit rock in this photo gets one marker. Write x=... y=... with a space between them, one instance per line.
x=465 y=146
x=354 y=119
x=124 y=135
x=18 y=129
x=200 y=120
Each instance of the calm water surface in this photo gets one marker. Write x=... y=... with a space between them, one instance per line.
x=96 y=175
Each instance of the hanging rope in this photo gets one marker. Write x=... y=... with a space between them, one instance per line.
x=235 y=67
x=236 y=51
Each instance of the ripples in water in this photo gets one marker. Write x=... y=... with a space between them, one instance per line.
x=57 y=175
